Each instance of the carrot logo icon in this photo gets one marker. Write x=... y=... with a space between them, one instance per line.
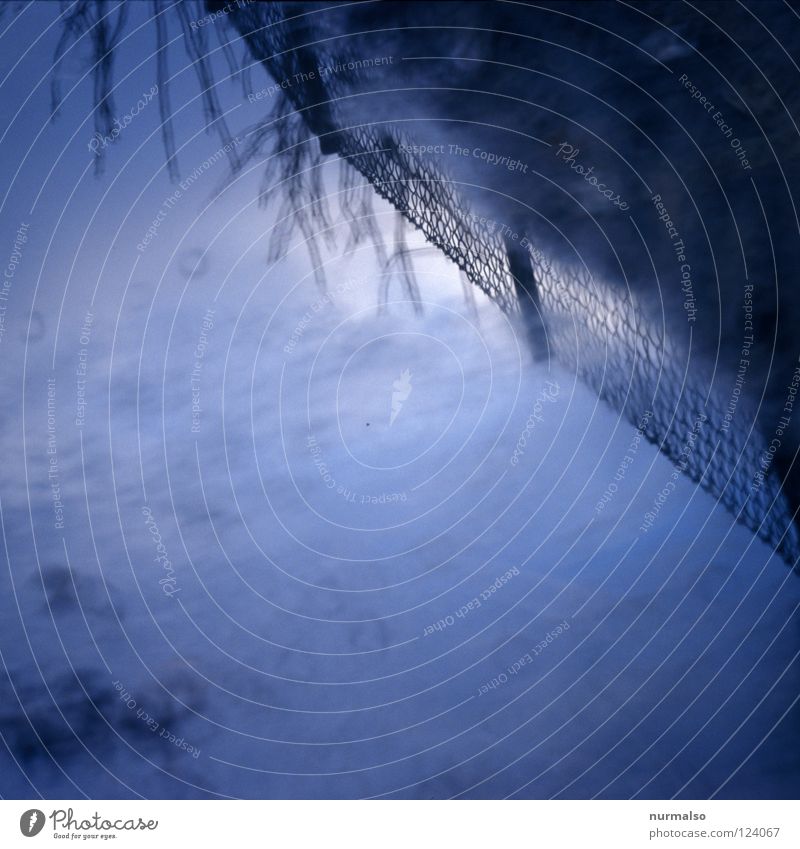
x=31 y=822
x=402 y=389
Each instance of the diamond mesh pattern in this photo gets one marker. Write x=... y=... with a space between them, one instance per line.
x=594 y=331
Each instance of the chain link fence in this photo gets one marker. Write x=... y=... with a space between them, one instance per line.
x=596 y=331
